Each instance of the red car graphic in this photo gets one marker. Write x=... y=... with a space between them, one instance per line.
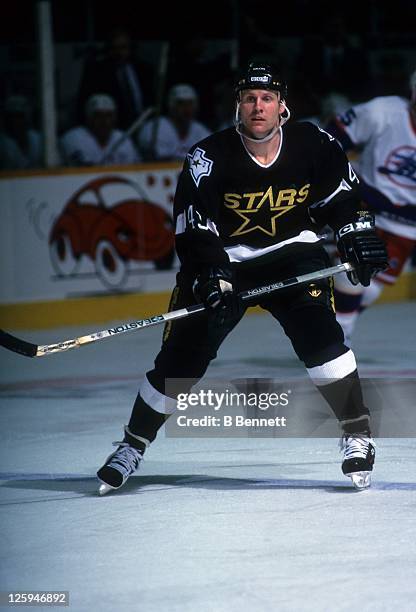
x=132 y=229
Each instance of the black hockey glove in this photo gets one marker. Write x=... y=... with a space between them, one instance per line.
x=359 y=245
x=214 y=287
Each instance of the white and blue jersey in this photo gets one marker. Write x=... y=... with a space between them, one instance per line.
x=385 y=133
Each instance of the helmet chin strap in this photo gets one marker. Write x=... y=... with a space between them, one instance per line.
x=282 y=120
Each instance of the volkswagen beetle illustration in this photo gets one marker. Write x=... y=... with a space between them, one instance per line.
x=109 y=221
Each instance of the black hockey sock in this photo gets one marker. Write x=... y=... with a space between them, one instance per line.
x=144 y=422
x=346 y=400
x=346 y=302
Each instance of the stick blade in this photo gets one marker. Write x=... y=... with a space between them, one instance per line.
x=17 y=345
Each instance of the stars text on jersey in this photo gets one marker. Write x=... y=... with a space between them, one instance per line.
x=260 y=210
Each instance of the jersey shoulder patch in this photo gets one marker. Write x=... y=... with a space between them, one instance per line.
x=199 y=165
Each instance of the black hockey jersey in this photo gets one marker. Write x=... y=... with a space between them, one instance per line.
x=229 y=207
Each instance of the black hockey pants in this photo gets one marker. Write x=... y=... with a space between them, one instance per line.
x=305 y=312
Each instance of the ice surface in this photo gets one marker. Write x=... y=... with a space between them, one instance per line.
x=218 y=525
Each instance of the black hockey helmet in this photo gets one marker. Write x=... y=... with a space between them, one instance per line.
x=261 y=76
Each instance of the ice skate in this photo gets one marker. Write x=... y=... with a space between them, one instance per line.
x=359 y=453
x=119 y=466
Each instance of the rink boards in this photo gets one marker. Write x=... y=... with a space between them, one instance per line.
x=38 y=273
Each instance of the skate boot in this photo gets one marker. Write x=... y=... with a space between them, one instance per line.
x=118 y=467
x=359 y=453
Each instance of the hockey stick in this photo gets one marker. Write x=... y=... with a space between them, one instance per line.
x=133 y=128
x=33 y=350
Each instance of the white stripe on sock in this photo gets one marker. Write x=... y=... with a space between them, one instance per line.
x=350 y=421
x=156 y=400
x=333 y=370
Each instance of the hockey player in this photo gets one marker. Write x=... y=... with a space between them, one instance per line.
x=248 y=207
x=385 y=131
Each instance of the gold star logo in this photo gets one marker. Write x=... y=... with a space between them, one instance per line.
x=250 y=224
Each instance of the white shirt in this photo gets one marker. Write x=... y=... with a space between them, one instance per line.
x=168 y=143
x=383 y=127
x=13 y=158
x=79 y=147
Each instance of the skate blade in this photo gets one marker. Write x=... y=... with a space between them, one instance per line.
x=105 y=488
x=360 y=480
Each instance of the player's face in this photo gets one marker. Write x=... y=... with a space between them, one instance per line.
x=102 y=123
x=184 y=110
x=259 y=111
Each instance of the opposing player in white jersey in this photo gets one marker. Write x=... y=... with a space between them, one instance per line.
x=384 y=129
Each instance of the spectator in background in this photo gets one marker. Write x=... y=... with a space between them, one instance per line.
x=20 y=144
x=92 y=144
x=171 y=137
x=119 y=76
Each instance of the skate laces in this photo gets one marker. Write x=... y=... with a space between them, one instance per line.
x=127 y=457
x=355 y=446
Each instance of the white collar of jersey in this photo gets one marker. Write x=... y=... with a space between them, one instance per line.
x=283 y=118
x=253 y=157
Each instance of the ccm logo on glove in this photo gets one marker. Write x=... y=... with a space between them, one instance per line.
x=358 y=226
